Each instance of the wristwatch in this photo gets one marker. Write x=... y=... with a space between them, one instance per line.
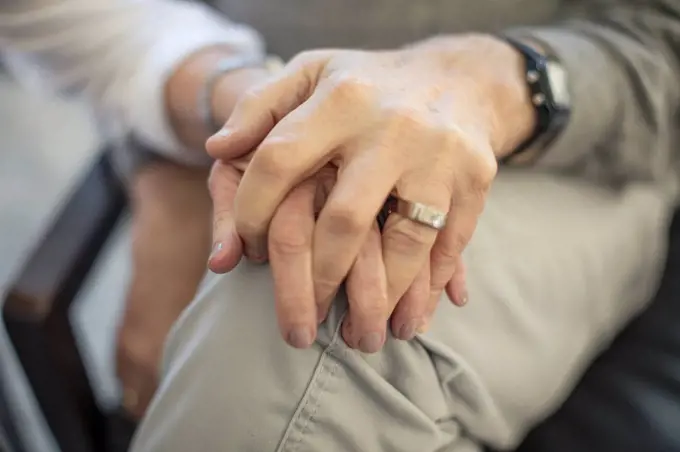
x=546 y=79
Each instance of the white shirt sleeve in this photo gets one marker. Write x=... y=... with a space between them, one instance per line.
x=118 y=53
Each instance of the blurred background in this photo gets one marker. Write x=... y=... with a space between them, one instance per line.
x=48 y=145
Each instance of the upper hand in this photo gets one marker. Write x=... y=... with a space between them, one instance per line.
x=426 y=122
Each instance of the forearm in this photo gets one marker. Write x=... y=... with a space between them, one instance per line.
x=121 y=54
x=184 y=89
x=171 y=231
x=624 y=79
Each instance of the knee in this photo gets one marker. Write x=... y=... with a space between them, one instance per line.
x=230 y=382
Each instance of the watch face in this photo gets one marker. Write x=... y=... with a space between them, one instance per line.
x=558 y=83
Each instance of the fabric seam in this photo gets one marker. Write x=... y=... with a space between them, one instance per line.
x=306 y=411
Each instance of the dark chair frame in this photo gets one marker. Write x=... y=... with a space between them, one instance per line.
x=37 y=306
x=9 y=432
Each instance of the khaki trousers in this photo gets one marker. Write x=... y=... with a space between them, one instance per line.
x=555 y=269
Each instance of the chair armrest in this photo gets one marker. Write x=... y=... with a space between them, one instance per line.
x=36 y=309
x=9 y=436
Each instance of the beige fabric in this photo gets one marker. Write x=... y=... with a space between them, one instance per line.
x=555 y=269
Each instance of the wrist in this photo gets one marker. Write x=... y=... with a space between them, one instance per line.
x=513 y=111
x=495 y=70
x=182 y=90
x=199 y=77
x=229 y=88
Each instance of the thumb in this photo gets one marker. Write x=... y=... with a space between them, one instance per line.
x=227 y=246
x=263 y=106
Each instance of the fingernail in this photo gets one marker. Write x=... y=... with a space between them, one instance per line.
x=223 y=132
x=408 y=330
x=463 y=298
x=217 y=248
x=300 y=337
x=371 y=342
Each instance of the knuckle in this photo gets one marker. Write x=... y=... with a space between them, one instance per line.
x=251 y=97
x=481 y=162
x=408 y=119
x=406 y=237
x=287 y=241
x=485 y=173
x=449 y=138
x=349 y=90
x=273 y=159
x=327 y=276
x=344 y=219
x=446 y=255
x=301 y=59
x=478 y=186
x=308 y=57
x=409 y=125
x=369 y=312
x=458 y=243
x=367 y=295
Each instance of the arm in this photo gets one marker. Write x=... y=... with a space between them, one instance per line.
x=171 y=234
x=623 y=64
x=142 y=61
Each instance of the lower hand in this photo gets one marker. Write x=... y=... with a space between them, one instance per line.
x=289 y=249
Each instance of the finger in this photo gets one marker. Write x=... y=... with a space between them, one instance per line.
x=456 y=288
x=290 y=251
x=446 y=252
x=364 y=327
x=257 y=112
x=349 y=214
x=263 y=106
x=227 y=247
x=407 y=243
x=413 y=310
x=297 y=147
x=457 y=285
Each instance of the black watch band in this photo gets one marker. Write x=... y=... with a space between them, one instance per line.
x=551 y=115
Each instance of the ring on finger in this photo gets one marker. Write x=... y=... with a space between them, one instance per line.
x=415 y=211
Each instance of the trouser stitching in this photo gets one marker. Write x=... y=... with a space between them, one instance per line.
x=310 y=403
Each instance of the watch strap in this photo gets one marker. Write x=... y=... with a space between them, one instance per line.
x=224 y=66
x=549 y=116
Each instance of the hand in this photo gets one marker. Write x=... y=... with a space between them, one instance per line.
x=426 y=123
x=171 y=240
x=290 y=237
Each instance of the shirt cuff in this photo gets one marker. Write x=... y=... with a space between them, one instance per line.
x=147 y=115
x=593 y=87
